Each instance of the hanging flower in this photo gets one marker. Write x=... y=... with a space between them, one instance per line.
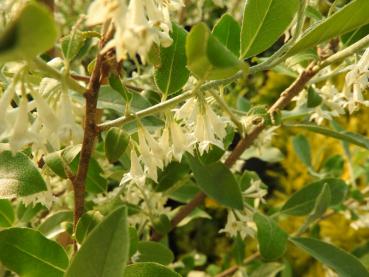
x=181 y=142
x=137 y=26
x=45 y=113
x=356 y=82
x=239 y=223
x=136 y=173
x=68 y=129
x=5 y=100
x=21 y=135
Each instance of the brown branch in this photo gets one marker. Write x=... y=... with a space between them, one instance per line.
x=90 y=132
x=285 y=98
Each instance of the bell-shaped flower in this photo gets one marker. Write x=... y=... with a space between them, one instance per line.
x=187 y=111
x=68 y=130
x=136 y=173
x=205 y=133
x=21 y=134
x=181 y=142
x=150 y=161
x=164 y=142
x=217 y=123
x=5 y=100
x=45 y=113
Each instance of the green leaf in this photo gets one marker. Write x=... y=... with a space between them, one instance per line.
x=28 y=253
x=272 y=239
x=185 y=193
x=302 y=149
x=133 y=241
x=350 y=17
x=322 y=203
x=208 y=58
x=116 y=143
x=162 y=224
x=56 y=161
x=217 y=181
x=151 y=251
x=19 y=176
x=72 y=44
x=149 y=270
x=171 y=75
x=85 y=225
x=263 y=23
x=7 y=215
x=227 y=31
x=105 y=250
x=32 y=32
x=342 y=262
x=313 y=99
x=356 y=35
x=303 y=202
x=350 y=137
x=51 y=226
x=117 y=85
x=171 y=174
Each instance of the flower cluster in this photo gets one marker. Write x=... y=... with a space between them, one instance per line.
x=335 y=102
x=241 y=222
x=194 y=126
x=138 y=24
x=45 y=124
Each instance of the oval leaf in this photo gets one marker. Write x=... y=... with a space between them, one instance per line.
x=149 y=270
x=263 y=23
x=31 y=33
x=19 y=176
x=207 y=58
x=105 y=251
x=116 y=142
x=272 y=239
x=51 y=226
x=172 y=74
x=342 y=262
x=302 y=149
x=156 y=252
x=350 y=17
x=227 y=31
x=85 y=225
x=303 y=201
x=217 y=181
x=28 y=253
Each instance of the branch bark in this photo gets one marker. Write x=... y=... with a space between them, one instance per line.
x=90 y=132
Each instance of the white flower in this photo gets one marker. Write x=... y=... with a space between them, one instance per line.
x=137 y=26
x=181 y=142
x=68 y=129
x=5 y=100
x=239 y=223
x=256 y=192
x=136 y=173
x=45 y=113
x=21 y=134
x=150 y=161
x=356 y=82
x=188 y=111
x=164 y=142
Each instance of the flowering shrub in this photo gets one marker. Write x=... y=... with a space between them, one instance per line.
x=122 y=121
